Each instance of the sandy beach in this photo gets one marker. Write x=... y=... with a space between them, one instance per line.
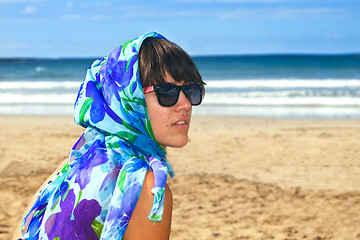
x=238 y=178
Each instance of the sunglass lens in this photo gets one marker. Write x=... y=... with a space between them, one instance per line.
x=193 y=93
x=167 y=95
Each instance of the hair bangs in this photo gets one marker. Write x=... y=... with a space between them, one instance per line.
x=159 y=57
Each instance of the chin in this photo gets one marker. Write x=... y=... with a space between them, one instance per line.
x=178 y=143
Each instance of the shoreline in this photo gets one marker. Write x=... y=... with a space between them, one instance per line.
x=197 y=115
x=208 y=110
x=237 y=177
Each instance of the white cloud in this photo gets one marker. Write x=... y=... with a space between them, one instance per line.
x=278 y=13
x=15 y=46
x=70 y=17
x=30 y=10
x=332 y=36
x=98 y=17
x=84 y=18
x=306 y=12
x=19 y=1
x=96 y=5
x=69 y=5
x=144 y=11
x=237 y=1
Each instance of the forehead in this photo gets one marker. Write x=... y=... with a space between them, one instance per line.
x=169 y=79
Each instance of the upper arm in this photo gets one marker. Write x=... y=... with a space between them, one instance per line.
x=140 y=227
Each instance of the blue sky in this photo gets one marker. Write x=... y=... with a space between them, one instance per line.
x=85 y=28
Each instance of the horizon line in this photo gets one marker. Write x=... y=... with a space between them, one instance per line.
x=193 y=56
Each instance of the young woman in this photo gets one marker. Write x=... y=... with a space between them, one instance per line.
x=134 y=103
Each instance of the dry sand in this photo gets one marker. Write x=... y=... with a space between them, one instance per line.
x=238 y=178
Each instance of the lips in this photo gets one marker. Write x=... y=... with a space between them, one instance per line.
x=182 y=121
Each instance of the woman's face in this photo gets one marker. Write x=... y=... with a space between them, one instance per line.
x=169 y=124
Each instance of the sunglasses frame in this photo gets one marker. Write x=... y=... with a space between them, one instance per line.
x=183 y=88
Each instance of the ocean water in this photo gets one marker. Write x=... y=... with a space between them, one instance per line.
x=280 y=86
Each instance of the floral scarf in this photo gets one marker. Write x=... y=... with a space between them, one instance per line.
x=95 y=193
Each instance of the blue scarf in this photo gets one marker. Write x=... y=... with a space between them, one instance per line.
x=95 y=193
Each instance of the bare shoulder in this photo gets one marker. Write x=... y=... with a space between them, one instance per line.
x=140 y=227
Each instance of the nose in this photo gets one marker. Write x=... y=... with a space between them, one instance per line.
x=183 y=103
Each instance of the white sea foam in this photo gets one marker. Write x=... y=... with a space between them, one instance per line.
x=38 y=85
x=234 y=97
x=8 y=98
x=210 y=98
x=283 y=83
x=211 y=84
x=40 y=69
x=223 y=99
x=278 y=111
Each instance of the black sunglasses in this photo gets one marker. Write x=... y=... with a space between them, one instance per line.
x=168 y=94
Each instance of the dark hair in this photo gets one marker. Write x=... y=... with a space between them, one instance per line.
x=158 y=56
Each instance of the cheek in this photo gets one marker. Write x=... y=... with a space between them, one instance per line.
x=161 y=126
x=159 y=116
x=160 y=121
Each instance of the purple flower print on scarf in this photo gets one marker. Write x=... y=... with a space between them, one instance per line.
x=120 y=215
x=95 y=155
x=73 y=223
x=60 y=193
x=98 y=106
x=37 y=216
x=113 y=71
x=108 y=185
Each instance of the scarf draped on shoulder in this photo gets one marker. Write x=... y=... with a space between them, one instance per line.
x=95 y=193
